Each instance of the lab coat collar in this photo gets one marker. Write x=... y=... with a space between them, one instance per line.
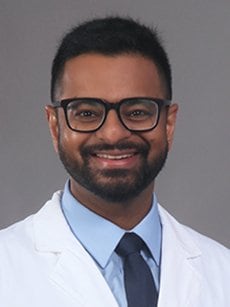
x=76 y=272
x=180 y=282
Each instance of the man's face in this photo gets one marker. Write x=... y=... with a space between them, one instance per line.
x=112 y=162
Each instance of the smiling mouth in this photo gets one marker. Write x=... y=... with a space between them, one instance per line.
x=114 y=157
x=122 y=153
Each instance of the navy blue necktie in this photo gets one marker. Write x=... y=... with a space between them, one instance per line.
x=139 y=283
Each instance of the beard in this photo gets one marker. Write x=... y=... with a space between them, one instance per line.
x=114 y=185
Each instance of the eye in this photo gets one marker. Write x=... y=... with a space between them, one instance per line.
x=85 y=113
x=136 y=113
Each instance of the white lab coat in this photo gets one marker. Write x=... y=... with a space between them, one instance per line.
x=43 y=265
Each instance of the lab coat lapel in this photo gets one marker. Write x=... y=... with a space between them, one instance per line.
x=77 y=274
x=180 y=283
x=74 y=272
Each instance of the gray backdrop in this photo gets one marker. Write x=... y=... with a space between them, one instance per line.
x=194 y=185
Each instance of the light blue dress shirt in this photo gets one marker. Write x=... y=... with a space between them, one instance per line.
x=100 y=238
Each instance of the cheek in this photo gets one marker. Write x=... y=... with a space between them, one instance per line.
x=157 y=140
x=160 y=132
x=68 y=138
x=156 y=137
x=72 y=142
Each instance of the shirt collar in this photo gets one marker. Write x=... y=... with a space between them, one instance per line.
x=90 y=228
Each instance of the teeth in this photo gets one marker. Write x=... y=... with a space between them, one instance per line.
x=111 y=157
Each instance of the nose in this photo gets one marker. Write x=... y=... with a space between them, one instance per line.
x=112 y=131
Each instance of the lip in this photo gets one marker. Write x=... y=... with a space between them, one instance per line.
x=116 y=159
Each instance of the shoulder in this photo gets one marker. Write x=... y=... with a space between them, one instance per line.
x=197 y=262
x=16 y=252
x=190 y=240
x=21 y=235
x=12 y=235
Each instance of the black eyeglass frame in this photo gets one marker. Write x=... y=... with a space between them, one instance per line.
x=111 y=106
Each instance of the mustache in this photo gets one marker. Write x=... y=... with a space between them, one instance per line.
x=87 y=150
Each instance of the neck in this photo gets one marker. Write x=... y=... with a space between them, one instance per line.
x=125 y=214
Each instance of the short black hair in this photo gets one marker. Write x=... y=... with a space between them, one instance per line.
x=111 y=36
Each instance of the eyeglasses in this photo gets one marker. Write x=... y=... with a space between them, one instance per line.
x=89 y=114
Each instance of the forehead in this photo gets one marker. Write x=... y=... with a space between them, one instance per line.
x=105 y=76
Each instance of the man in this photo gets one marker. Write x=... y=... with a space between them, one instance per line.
x=105 y=240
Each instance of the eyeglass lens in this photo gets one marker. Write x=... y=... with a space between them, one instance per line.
x=135 y=114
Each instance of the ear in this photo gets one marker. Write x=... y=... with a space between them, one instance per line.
x=171 y=123
x=51 y=115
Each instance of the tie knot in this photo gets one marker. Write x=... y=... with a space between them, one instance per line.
x=130 y=243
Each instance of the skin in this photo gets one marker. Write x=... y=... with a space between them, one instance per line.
x=112 y=78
